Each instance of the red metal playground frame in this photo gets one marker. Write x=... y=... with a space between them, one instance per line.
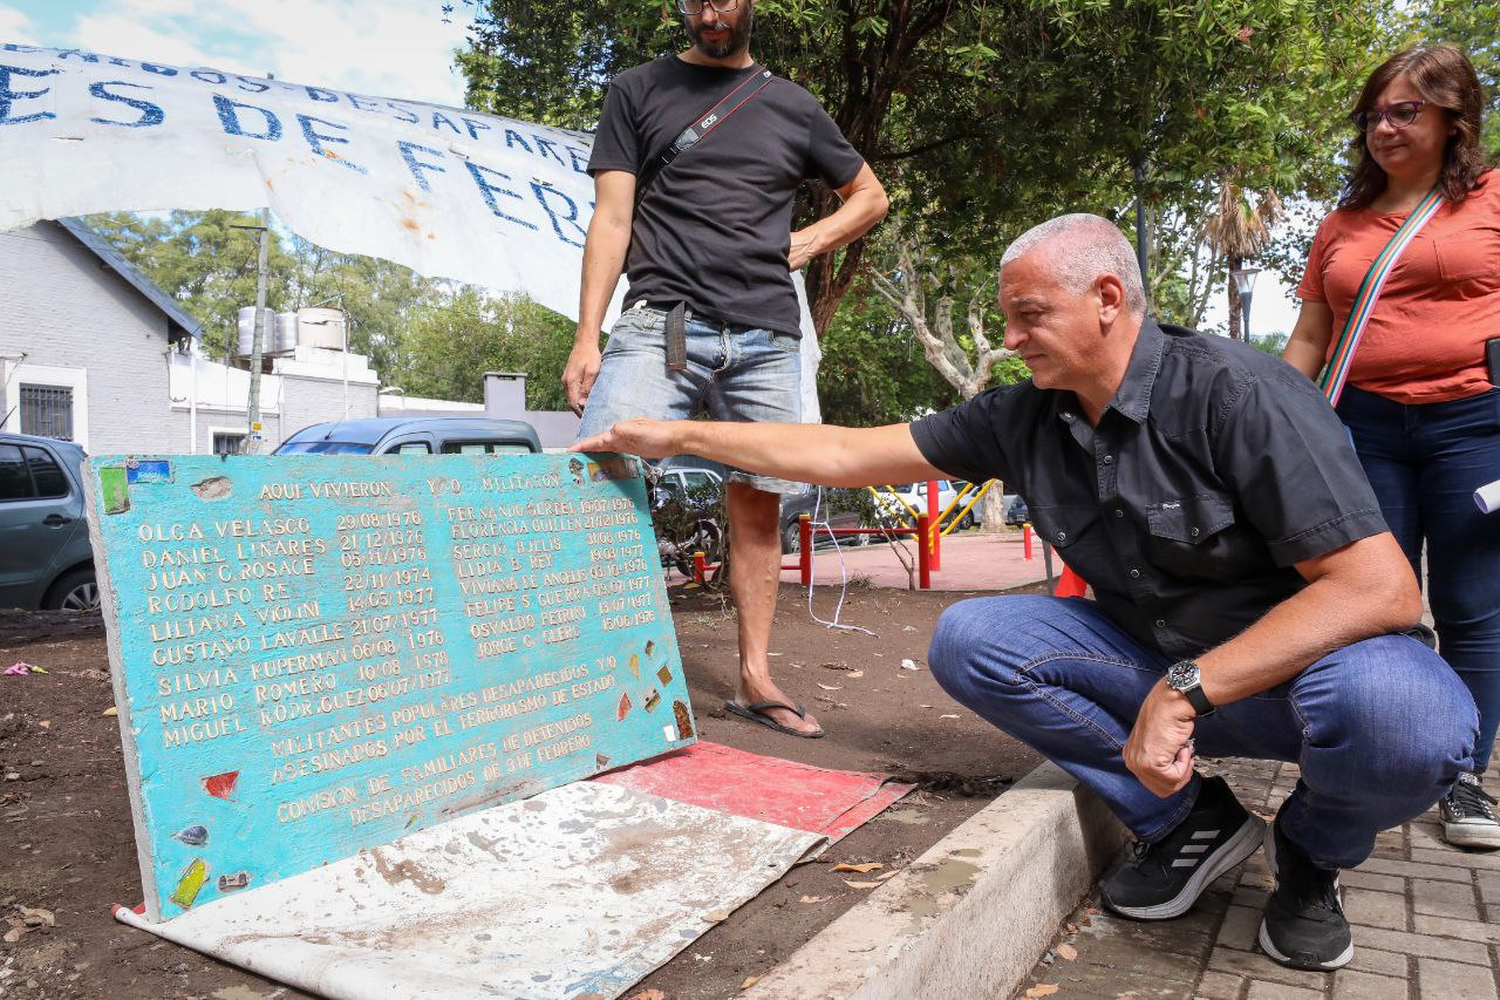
x=929 y=555
x=701 y=566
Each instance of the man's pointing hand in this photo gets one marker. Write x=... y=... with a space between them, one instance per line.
x=646 y=438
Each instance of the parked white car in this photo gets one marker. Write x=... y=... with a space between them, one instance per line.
x=913 y=495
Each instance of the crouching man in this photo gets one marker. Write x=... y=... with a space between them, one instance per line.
x=1249 y=600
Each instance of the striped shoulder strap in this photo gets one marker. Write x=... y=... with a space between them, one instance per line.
x=1332 y=379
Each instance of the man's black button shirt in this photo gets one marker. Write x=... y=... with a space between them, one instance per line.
x=1213 y=470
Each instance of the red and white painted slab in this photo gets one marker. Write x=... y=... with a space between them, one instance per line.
x=784 y=792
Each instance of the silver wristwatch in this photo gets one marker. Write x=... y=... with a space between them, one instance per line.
x=1183 y=676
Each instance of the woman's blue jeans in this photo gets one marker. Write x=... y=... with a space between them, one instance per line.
x=1425 y=462
x=1381 y=728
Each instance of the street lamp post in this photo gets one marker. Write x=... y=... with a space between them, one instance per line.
x=1244 y=283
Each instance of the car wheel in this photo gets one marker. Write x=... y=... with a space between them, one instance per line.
x=967 y=522
x=791 y=538
x=77 y=591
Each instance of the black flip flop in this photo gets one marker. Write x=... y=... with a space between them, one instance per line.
x=755 y=713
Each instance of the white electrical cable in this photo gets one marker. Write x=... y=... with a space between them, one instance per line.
x=843 y=570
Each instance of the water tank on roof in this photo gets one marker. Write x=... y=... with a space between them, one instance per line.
x=285 y=340
x=246 y=327
x=319 y=327
x=271 y=337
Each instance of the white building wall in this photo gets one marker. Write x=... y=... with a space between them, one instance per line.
x=313 y=400
x=222 y=396
x=67 y=314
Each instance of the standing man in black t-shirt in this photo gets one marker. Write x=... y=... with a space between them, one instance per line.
x=711 y=320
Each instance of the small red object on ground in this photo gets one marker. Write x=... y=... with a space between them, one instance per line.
x=1070 y=584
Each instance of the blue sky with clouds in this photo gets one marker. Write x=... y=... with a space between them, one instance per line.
x=390 y=48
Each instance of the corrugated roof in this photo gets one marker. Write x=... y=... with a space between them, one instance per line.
x=181 y=322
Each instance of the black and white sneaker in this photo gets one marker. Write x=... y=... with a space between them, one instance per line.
x=1304 y=925
x=1468 y=820
x=1164 y=879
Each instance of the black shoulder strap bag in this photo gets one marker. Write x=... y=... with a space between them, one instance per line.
x=686 y=140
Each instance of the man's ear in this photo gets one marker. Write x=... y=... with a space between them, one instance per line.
x=1111 y=298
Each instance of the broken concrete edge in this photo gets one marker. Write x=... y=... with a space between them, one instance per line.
x=974 y=913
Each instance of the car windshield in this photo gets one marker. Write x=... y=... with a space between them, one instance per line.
x=325 y=448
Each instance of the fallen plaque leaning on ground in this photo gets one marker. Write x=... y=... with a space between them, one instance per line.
x=317 y=655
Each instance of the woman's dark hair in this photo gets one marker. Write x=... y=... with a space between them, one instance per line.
x=1444 y=77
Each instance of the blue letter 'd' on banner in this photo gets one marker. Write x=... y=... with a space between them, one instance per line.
x=229 y=116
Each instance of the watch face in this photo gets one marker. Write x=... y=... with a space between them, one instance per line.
x=1183 y=675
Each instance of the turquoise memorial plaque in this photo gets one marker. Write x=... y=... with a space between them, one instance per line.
x=318 y=654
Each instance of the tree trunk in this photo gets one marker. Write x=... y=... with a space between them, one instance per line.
x=828 y=279
x=992 y=510
x=1235 y=333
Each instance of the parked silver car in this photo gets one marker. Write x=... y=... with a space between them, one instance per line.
x=45 y=557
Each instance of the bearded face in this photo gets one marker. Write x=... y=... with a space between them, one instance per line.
x=721 y=35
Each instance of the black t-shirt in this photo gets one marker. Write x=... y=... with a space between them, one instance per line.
x=714 y=229
x=1213 y=470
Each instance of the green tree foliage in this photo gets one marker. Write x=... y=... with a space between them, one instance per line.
x=1474 y=26
x=207 y=261
x=454 y=340
x=379 y=298
x=425 y=336
x=984 y=116
x=873 y=371
x=203 y=261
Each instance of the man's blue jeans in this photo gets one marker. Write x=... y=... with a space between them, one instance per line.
x=733 y=372
x=1381 y=728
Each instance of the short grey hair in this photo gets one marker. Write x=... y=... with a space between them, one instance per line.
x=1091 y=246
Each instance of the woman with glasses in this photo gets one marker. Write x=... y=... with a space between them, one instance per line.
x=1418 y=394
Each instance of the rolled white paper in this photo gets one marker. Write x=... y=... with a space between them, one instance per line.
x=1488 y=497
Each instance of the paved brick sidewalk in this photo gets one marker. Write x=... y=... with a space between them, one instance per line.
x=1426 y=921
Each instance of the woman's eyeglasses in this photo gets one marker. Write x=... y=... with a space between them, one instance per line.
x=695 y=7
x=1400 y=115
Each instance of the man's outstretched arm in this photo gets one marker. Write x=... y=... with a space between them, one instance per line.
x=809 y=453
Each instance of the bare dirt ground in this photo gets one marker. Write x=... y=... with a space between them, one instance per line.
x=67 y=845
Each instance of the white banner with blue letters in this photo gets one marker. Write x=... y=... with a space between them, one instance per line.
x=450 y=193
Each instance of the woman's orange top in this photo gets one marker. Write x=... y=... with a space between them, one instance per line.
x=1425 y=339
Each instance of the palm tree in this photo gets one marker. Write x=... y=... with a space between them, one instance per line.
x=1236 y=231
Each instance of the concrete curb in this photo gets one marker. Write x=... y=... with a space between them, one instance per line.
x=972 y=915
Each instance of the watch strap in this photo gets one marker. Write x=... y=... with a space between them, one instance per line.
x=1199 y=701
x=1195 y=696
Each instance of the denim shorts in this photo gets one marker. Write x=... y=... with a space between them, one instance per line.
x=734 y=372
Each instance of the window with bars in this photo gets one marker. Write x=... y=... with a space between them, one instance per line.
x=228 y=444
x=47 y=411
